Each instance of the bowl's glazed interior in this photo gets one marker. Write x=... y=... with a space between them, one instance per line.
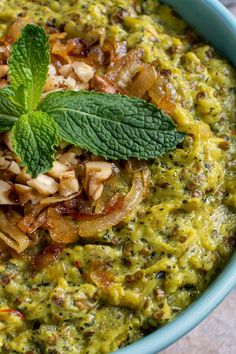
x=212 y=20
x=189 y=318
x=145 y=271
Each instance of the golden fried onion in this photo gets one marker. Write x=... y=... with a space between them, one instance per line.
x=12 y=235
x=88 y=228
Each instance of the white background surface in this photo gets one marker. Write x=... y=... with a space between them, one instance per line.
x=217 y=334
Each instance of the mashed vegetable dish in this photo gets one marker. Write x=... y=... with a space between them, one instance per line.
x=95 y=253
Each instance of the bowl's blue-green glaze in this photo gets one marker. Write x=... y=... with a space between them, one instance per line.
x=188 y=319
x=218 y=26
x=213 y=21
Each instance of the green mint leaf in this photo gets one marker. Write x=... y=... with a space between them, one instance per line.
x=10 y=110
x=28 y=65
x=34 y=137
x=114 y=126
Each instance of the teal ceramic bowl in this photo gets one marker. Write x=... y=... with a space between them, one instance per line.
x=217 y=26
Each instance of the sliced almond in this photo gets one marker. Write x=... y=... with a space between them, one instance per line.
x=65 y=70
x=7 y=140
x=84 y=71
x=57 y=169
x=44 y=184
x=68 y=184
x=96 y=173
x=5 y=189
x=24 y=193
x=14 y=168
x=3 y=70
x=68 y=158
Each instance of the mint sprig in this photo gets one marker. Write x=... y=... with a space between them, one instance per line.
x=113 y=126
x=28 y=65
x=10 y=110
x=34 y=137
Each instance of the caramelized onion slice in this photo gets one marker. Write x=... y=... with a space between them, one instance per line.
x=12 y=235
x=101 y=275
x=5 y=189
x=14 y=31
x=102 y=84
x=5 y=251
x=143 y=82
x=64 y=51
x=126 y=68
x=49 y=255
x=61 y=229
x=163 y=94
x=58 y=199
x=92 y=227
x=34 y=219
x=115 y=50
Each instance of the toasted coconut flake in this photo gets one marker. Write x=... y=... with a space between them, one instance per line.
x=82 y=86
x=52 y=84
x=69 y=83
x=44 y=184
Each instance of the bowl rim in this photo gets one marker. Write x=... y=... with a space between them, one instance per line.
x=213 y=21
x=226 y=279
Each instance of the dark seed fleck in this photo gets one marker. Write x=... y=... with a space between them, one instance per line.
x=232 y=241
x=165 y=72
x=200 y=95
x=161 y=275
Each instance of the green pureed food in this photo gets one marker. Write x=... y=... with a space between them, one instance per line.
x=107 y=290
